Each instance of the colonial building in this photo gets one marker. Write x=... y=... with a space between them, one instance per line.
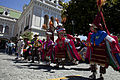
x=8 y=18
x=37 y=13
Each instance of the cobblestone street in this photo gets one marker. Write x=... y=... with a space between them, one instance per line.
x=10 y=69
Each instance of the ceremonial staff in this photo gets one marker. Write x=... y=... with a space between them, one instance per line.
x=100 y=3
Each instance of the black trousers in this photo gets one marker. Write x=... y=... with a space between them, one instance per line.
x=35 y=52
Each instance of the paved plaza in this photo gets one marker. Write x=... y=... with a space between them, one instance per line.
x=10 y=69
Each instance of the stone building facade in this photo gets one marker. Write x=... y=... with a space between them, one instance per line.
x=37 y=13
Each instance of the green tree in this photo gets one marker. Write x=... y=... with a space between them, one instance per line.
x=83 y=12
x=112 y=16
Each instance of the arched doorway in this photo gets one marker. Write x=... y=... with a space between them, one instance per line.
x=6 y=30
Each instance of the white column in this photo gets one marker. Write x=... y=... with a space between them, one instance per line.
x=33 y=20
x=57 y=3
x=3 y=28
x=30 y=19
x=41 y=19
x=12 y=30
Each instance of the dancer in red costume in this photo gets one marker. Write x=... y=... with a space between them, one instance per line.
x=60 y=49
x=64 y=48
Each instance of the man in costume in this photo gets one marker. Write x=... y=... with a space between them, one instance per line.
x=99 y=54
x=36 y=47
x=100 y=51
x=27 y=49
x=47 y=48
x=103 y=47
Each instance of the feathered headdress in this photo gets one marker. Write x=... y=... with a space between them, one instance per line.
x=56 y=19
x=100 y=3
x=51 y=23
x=44 y=26
x=63 y=20
x=60 y=28
x=97 y=22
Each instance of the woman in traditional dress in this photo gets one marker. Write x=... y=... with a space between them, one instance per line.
x=47 y=49
x=64 y=48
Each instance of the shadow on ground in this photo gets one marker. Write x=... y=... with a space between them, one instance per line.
x=38 y=66
x=76 y=78
x=81 y=69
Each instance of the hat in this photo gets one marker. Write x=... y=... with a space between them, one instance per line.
x=20 y=37
x=36 y=35
x=96 y=23
x=48 y=33
x=76 y=37
x=60 y=28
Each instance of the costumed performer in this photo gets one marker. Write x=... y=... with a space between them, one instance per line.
x=101 y=44
x=36 y=47
x=47 y=48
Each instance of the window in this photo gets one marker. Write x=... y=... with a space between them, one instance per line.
x=6 y=30
x=1 y=28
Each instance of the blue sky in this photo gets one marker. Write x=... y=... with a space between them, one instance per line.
x=15 y=4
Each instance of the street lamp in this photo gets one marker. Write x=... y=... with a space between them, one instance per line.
x=73 y=26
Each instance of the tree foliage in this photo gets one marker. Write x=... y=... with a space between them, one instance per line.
x=83 y=12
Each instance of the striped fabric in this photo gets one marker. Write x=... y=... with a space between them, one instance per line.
x=99 y=55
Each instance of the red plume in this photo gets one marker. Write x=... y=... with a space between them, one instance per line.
x=63 y=20
x=51 y=24
x=56 y=19
x=100 y=2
